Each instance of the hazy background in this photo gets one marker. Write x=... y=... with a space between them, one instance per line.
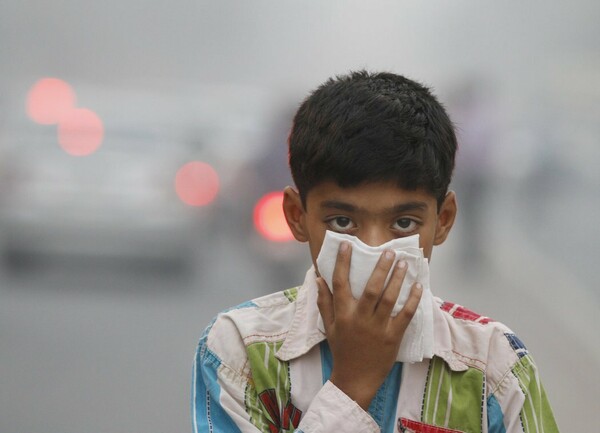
x=108 y=278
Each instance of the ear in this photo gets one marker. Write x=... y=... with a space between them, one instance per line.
x=446 y=217
x=294 y=213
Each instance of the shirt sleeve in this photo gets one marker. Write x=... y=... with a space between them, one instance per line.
x=332 y=410
x=220 y=405
x=519 y=404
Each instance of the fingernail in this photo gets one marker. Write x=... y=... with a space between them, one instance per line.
x=389 y=255
x=344 y=247
x=419 y=286
x=402 y=264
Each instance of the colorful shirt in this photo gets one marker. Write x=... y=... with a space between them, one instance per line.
x=264 y=367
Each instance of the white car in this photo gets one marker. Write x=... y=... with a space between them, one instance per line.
x=119 y=202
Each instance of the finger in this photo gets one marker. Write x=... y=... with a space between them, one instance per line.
x=325 y=302
x=370 y=297
x=340 y=278
x=392 y=290
x=401 y=321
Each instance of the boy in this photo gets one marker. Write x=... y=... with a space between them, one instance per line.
x=371 y=156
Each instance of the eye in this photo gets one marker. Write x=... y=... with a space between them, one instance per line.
x=406 y=225
x=340 y=224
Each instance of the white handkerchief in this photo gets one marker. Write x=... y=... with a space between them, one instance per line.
x=417 y=342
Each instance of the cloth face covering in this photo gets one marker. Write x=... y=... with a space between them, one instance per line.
x=417 y=342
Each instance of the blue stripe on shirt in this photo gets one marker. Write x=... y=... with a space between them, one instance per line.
x=326 y=361
x=495 y=416
x=208 y=415
x=387 y=396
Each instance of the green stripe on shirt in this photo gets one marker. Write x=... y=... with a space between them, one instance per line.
x=536 y=413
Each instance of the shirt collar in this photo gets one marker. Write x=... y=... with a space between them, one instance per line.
x=304 y=332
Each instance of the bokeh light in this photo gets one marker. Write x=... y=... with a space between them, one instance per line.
x=269 y=219
x=49 y=100
x=80 y=132
x=197 y=183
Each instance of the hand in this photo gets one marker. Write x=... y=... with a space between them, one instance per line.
x=363 y=337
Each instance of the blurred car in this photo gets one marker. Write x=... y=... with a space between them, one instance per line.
x=119 y=202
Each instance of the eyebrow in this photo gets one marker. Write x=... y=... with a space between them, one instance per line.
x=403 y=207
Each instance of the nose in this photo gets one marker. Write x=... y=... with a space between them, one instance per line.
x=375 y=236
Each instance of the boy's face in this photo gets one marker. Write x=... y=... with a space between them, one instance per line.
x=374 y=212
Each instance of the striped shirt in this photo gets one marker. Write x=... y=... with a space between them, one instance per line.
x=264 y=367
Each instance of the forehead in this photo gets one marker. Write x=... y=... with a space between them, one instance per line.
x=373 y=197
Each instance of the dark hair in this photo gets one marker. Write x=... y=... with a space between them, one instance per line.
x=364 y=127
